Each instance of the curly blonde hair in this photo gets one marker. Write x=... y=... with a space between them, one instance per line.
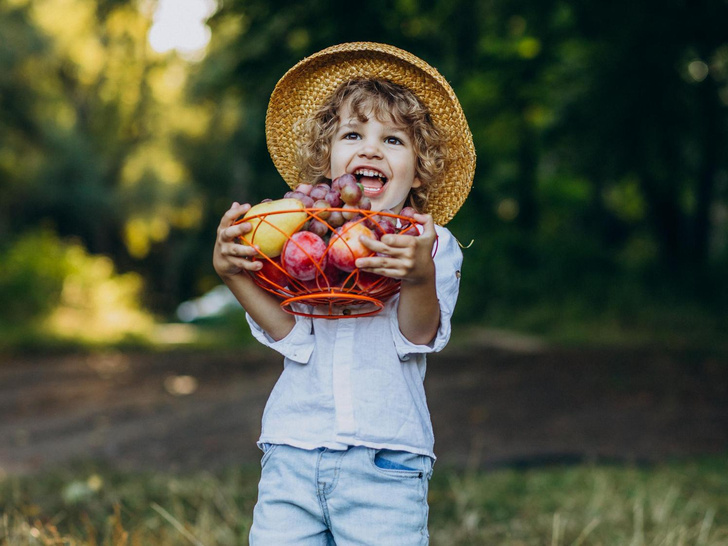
x=383 y=99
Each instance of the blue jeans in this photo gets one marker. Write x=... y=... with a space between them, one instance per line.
x=360 y=496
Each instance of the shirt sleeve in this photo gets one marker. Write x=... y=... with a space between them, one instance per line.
x=297 y=346
x=448 y=261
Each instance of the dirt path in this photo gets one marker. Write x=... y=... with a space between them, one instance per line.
x=498 y=400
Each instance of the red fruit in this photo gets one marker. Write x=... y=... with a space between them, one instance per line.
x=303 y=198
x=350 y=212
x=272 y=273
x=345 y=246
x=304 y=188
x=351 y=192
x=410 y=229
x=324 y=205
x=319 y=191
x=367 y=281
x=338 y=182
x=382 y=225
x=317 y=227
x=408 y=212
x=303 y=255
x=334 y=276
x=334 y=199
x=336 y=219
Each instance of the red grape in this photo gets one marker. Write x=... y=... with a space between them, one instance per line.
x=304 y=188
x=351 y=192
x=336 y=219
x=334 y=199
x=350 y=212
x=324 y=205
x=319 y=191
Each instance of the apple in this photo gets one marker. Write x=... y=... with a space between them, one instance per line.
x=345 y=246
x=272 y=273
x=304 y=254
x=278 y=220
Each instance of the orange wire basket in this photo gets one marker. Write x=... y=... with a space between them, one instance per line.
x=335 y=293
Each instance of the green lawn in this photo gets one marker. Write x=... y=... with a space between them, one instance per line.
x=680 y=503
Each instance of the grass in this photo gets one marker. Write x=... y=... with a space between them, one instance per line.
x=680 y=503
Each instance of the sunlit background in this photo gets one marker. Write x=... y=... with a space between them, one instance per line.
x=600 y=202
x=180 y=25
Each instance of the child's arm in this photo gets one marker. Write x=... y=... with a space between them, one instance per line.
x=231 y=261
x=410 y=259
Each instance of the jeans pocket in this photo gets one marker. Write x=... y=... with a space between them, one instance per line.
x=398 y=463
x=268 y=450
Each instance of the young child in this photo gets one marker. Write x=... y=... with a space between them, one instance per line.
x=346 y=433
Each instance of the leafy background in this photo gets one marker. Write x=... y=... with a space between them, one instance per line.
x=600 y=203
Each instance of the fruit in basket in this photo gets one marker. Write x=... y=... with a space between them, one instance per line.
x=365 y=281
x=318 y=227
x=345 y=246
x=272 y=273
x=350 y=191
x=270 y=232
x=304 y=254
x=382 y=224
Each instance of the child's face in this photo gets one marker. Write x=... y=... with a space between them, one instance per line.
x=381 y=156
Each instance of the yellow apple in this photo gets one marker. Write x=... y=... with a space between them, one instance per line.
x=272 y=223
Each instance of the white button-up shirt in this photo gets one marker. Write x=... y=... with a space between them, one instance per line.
x=358 y=381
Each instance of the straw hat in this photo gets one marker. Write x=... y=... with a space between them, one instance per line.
x=305 y=87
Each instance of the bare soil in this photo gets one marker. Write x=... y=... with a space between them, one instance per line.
x=498 y=399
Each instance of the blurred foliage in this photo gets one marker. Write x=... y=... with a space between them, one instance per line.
x=55 y=289
x=601 y=193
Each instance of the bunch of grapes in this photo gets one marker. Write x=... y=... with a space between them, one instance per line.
x=347 y=194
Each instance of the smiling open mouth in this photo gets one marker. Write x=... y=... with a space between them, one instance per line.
x=372 y=181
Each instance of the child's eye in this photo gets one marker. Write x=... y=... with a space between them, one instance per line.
x=351 y=136
x=392 y=140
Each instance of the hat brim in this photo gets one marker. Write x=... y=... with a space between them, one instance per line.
x=305 y=87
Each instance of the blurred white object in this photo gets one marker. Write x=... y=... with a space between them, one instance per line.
x=214 y=303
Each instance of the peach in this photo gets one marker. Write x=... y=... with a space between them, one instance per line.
x=345 y=246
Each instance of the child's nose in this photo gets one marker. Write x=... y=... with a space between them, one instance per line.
x=370 y=148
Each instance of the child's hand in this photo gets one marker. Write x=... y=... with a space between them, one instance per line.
x=230 y=257
x=406 y=257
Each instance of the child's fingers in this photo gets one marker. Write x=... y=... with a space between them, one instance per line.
x=382 y=265
x=373 y=244
x=232 y=233
x=241 y=256
x=233 y=213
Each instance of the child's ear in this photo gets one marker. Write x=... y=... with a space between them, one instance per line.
x=416 y=183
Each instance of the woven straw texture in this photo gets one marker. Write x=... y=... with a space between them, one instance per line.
x=301 y=91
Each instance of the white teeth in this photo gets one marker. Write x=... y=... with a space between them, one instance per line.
x=369 y=173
